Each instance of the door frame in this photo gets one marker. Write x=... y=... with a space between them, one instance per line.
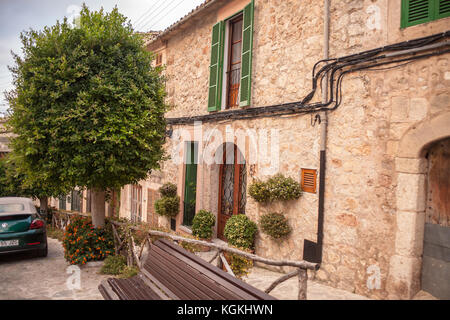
x=236 y=189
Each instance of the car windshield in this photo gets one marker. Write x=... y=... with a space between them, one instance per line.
x=11 y=207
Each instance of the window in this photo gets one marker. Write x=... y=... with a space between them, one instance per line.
x=158 y=60
x=233 y=74
x=136 y=203
x=309 y=177
x=420 y=11
x=62 y=203
x=236 y=36
x=75 y=201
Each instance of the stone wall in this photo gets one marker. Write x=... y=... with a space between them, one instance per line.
x=365 y=228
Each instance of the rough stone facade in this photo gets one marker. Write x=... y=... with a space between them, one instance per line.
x=375 y=180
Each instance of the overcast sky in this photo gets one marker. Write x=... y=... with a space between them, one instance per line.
x=19 y=15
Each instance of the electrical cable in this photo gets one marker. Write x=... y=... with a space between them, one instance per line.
x=157 y=15
x=140 y=19
x=149 y=16
x=354 y=63
x=163 y=17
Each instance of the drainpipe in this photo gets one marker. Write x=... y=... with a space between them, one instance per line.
x=312 y=251
x=323 y=136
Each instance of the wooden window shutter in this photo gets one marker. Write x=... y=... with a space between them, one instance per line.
x=216 y=67
x=247 y=47
x=309 y=178
x=443 y=9
x=420 y=11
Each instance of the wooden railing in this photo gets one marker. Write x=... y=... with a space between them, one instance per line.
x=132 y=255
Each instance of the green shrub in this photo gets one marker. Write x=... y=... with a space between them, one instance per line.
x=240 y=231
x=202 y=224
x=275 y=225
x=276 y=188
x=168 y=206
x=82 y=242
x=239 y=264
x=114 y=265
x=128 y=272
x=168 y=190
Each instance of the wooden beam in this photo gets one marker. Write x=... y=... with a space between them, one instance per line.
x=280 y=280
x=302 y=283
x=225 y=263
x=299 y=264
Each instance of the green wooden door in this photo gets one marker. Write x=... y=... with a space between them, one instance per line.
x=190 y=184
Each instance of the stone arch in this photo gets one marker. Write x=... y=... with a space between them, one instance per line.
x=411 y=169
x=419 y=137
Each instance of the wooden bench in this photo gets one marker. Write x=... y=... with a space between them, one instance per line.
x=171 y=272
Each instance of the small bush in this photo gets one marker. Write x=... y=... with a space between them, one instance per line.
x=82 y=242
x=241 y=266
x=168 y=190
x=128 y=272
x=202 y=224
x=240 y=231
x=114 y=265
x=275 y=225
x=276 y=188
x=168 y=206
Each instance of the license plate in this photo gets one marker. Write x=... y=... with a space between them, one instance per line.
x=9 y=243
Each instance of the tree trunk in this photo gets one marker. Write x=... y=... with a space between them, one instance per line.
x=43 y=204
x=98 y=208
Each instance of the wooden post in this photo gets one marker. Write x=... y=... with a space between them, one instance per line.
x=219 y=261
x=115 y=240
x=302 y=283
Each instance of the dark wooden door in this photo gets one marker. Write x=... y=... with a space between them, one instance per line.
x=436 y=250
x=232 y=187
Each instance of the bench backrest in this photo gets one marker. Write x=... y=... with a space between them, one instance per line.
x=183 y=275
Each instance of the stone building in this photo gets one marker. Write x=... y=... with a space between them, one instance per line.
x=373 y=162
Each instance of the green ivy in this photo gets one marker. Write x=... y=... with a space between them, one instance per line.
x=276 y=188
x=275 y=225
x=202 y=224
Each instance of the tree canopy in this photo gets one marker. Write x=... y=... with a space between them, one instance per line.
x=88 y=107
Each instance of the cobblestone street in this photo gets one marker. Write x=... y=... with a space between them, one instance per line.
x=23 y=276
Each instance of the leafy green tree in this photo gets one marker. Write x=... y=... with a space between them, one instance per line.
x=14 y=183
x=87 y=108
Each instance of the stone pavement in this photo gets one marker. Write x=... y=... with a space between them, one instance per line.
x=262 y=278
x=23 y=276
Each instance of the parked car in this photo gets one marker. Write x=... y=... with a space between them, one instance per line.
x=22 y=228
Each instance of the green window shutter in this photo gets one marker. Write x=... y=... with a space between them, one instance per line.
x=442 y=9
x=416 y=12
x=420 y=11
x=216 y=67
x=246 y=64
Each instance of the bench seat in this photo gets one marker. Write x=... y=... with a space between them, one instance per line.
x=171 y=272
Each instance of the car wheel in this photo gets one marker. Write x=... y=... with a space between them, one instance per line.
x=43 y=252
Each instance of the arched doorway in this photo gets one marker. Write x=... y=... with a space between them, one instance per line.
x=406 y=264
x=232 y=185
x=435 y=275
